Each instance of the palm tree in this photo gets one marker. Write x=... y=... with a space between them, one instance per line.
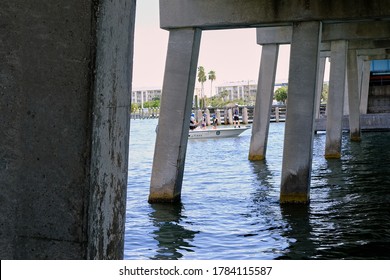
x=201 y=79
x=212 y=77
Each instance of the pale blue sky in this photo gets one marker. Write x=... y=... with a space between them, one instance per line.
x=232 y=54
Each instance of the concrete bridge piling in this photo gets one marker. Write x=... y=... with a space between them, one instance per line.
x=176 y=104
x=65 y=84
x=262 y=111
x=335 y=104
x=297 y=151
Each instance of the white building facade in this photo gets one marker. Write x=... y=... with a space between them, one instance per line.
x=245 y=90
x=141 y=95
x=238 y=90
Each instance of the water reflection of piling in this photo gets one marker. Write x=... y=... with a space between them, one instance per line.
x=297 y=218
x=171 y=236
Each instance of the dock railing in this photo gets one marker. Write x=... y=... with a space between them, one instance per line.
x=278 y=113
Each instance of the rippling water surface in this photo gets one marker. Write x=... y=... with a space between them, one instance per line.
x=230 y=206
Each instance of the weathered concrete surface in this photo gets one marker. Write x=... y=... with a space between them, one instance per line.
x=110 y=129
x=217 y=14
x=176 y=103
x=49 y=52
x=298 y=142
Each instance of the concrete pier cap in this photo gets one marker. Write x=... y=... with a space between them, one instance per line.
x=304 y=18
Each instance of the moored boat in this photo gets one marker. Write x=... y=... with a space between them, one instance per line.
x=219 y=132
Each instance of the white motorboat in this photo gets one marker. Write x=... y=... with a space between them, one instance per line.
x=219 y=132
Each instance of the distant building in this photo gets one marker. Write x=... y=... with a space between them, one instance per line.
x=238 y=90
x=141 y=95
x=380 y=72
x=242 y=90
x=379 y=87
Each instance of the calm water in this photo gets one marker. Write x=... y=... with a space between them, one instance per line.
x=230 y=206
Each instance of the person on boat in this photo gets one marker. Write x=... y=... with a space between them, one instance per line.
x=193 y=123
x=204 y=121
x=236 y=117
x=215 y=121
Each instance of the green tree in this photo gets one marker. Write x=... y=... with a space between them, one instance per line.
x=212 y=78
x=214 y=101
x=224 y=94
x=201 y=79
x=281 y=94
x=152 y=104
x=134 y=107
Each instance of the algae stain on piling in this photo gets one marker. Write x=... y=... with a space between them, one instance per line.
x=295 y=187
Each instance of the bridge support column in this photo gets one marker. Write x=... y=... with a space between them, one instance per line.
x=336 y=98
x=353 y=96
x=65 y=98
x=346 y=96
x=265 y=87
x=178 y=91
x=299 y=131
x=320 y=83
x=364 y=86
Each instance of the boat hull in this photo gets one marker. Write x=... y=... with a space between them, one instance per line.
x=216 y=133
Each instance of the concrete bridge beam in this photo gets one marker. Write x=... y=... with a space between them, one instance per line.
x=225 y=14
x=262 y=112
x=362 y=35
x=361 y=44
x=298 y=142
x=176 y=103
x=335 y=105
x=361 y=30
